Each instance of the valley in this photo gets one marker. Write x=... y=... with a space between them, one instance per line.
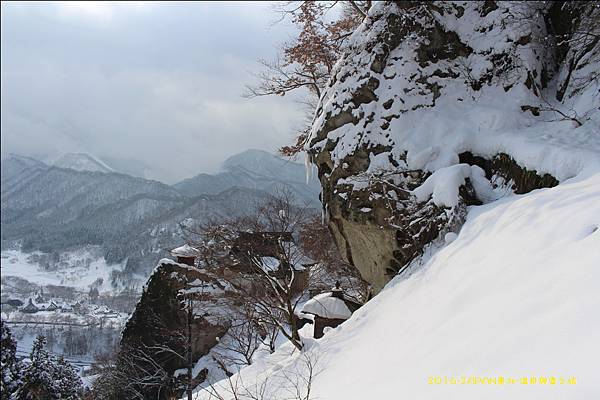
x=84 y=237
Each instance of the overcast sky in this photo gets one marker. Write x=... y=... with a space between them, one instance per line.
x=157 y=83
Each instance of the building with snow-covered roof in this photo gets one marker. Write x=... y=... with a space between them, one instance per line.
x=271 y=252
x=30 y=308
x=330 y=309
x=185 y=254
x=13 y=302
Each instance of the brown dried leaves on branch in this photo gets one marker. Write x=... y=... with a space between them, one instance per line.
x=307 y=61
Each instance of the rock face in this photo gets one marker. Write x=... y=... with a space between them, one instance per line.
x=160 y=321
x=421 y=89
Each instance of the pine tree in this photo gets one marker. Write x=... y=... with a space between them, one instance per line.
x=69 y=383
x=38 y=379
x=10 y=379
x=49 y=378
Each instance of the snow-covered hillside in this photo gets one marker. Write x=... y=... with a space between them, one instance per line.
x=16 y=171
x=56 y=209
x=79 y=269
x=514 y=296
x=82 y=162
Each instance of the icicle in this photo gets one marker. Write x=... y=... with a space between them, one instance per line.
x=307 y=167
x=324 y=214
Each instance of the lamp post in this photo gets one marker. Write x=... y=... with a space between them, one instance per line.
x=189 y=348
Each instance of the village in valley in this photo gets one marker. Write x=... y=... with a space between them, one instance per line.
x=80 y=324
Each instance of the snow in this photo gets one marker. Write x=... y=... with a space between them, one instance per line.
x=514 y=296
x=184 y=251
x=327 y=306
x=269 y=263
x=485 y=123
x=450 y=237
x=82 y=162
x=308 y=167
x=443 y=185
x=76 y=274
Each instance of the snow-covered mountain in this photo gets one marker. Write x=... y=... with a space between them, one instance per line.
x=82 y=162
x=256 y=169
x=266 y=164
x=132 y=167
x=51 y=209
x=17 y=170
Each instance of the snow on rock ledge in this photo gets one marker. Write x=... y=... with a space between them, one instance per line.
x=442 y=186
x=327 y=306
x=423 y=88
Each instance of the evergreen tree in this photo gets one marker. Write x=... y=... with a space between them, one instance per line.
x=68 y=382
x=10 y=379
x=38 y=379
x=49 y=378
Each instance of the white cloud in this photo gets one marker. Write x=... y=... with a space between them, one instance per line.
x=101 y=11
x=150 y=82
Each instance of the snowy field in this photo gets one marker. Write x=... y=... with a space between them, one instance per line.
x=79 y=270
x=514 y=297
x=79 y=335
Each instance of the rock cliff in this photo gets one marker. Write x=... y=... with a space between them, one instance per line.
x=156 y=334
x=440 y=105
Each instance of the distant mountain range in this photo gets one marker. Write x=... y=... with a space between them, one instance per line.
x=81 y=200
x=255 y=169
x=82 y=162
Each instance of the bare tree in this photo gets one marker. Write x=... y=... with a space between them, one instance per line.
x=131 y=374
x=294 y=383
x=307 y=61
x=580 y=44
x=234 y=388
x=238 y=345
x=259 y=258
x=143 y=371
x=317 y=242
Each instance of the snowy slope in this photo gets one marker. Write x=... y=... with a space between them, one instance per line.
x=75 y=271
x=515 y=295
x=82 y=162
x=16 y=171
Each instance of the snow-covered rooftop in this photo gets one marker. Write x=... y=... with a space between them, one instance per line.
x=185 y=251
x=327 y=306
x=270 y=263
